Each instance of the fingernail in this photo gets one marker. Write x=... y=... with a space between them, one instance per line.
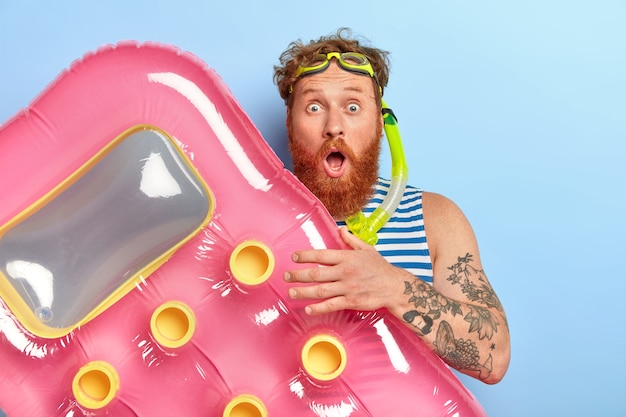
x=292 y=293
x=287 y=276
x=308 y=310
x=294 y=257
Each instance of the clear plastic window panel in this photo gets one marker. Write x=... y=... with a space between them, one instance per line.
x=128 y=210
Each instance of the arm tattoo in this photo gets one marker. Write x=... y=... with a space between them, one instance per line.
x=483 y=293
x=459 y=353
x=432 y=305
x=424 y=297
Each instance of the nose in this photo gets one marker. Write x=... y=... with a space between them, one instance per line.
x=334 y=125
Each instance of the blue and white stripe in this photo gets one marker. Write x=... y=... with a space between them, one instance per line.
x=402 y=241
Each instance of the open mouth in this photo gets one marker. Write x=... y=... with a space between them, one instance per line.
x=334 y=163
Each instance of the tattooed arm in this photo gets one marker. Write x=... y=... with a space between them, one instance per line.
x=468 y=327
x=459 y=316
x=472 y=337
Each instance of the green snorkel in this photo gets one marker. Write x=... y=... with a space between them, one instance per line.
x=366 y=227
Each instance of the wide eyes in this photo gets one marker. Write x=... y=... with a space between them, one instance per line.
x=315 y=108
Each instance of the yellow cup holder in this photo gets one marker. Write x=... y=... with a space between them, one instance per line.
x=324 y=357
x=172 y=324
x=252 y=262
x=95 y=384
x=245 y=405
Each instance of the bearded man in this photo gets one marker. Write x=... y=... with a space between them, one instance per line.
x=425 y=268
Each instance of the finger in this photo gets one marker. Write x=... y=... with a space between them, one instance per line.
x=320 y=291
x=326 y=306
x=308 y=275
x=351 y=240
x=319 y=256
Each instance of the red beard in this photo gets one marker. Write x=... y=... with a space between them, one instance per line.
x=345 y=195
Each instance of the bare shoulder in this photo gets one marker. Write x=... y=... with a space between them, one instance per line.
x=437 y=204
x=448 y=231
x=442 y=215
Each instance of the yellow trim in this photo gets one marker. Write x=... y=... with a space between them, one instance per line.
x=95 y=384
x=173 y=324
x=245 y=405
x=252 y=262
x=324 y=357
x=14 y=300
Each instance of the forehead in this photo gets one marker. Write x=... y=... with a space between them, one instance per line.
x=334 y=81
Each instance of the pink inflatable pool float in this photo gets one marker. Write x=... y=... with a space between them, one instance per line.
x=145 y=226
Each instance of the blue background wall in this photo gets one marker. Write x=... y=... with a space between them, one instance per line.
x=513 y=109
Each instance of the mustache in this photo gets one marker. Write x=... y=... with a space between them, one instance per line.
x=338 y=145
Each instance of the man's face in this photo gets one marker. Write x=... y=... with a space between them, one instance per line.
x=334 y=127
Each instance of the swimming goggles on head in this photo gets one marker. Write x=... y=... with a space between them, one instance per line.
x=349 y=61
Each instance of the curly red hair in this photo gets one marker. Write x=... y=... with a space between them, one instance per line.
x=341 y=41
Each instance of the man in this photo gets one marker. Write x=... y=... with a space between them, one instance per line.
x=425 y=268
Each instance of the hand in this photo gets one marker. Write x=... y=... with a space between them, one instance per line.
x=358 y=279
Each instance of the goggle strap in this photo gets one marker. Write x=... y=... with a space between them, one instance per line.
x=353 y=69
x=317 y=70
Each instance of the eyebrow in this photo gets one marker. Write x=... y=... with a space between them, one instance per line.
x=310 y=90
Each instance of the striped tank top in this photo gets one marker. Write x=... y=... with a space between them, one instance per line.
x=402 y=241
